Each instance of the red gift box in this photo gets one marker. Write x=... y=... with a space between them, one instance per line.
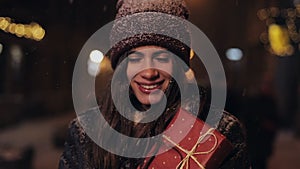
x=190 y=143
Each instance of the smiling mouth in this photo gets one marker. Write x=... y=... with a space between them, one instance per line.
x=148 y=88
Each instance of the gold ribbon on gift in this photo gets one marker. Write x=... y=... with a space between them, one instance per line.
x=191 y=154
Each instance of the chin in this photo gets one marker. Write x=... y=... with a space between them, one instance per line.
x=151 y=100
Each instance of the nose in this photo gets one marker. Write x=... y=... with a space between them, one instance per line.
x=150 y=74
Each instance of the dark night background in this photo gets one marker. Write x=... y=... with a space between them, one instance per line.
x=36 y=90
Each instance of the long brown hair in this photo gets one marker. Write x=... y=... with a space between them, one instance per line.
x=103 y=159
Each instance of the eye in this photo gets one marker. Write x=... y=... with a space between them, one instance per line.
x=163 y=58
x=134 y=59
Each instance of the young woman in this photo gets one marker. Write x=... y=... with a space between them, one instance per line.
x=149 y=70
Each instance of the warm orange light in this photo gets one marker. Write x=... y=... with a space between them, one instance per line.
x=12 y=28
x=28 y=33
x=279 y=40
x=31 y=31
x=190 y=76
x=3 y=23
x=263 y=14
x=20 y=30
x=264 y=37
x=37 y=32
x=192 y=53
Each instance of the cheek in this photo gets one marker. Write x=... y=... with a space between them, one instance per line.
x=168 y=70
x=128 y=74
x=167 y=76
x=130 y=71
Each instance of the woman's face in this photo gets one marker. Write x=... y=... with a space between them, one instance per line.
x=149 y=71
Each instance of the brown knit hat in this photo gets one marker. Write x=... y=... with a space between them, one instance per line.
x=148 y=22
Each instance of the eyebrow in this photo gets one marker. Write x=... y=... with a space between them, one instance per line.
x=161 y=52
x=154 y=54
x=135 y=52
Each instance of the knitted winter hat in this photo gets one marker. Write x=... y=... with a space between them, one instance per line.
x=150 y=22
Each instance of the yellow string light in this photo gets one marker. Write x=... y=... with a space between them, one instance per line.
x=192 y=54
x=31 y=31
x=279 y=40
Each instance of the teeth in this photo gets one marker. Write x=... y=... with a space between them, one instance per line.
x=149 y=87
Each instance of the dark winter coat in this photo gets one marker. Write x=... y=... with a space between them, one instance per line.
x=77 y=149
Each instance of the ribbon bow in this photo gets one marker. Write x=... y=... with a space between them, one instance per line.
x=191 y=154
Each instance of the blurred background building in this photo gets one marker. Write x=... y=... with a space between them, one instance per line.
x=257 y=41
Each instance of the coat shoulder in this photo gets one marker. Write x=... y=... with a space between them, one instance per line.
x=76 y=150
x=231 y=127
